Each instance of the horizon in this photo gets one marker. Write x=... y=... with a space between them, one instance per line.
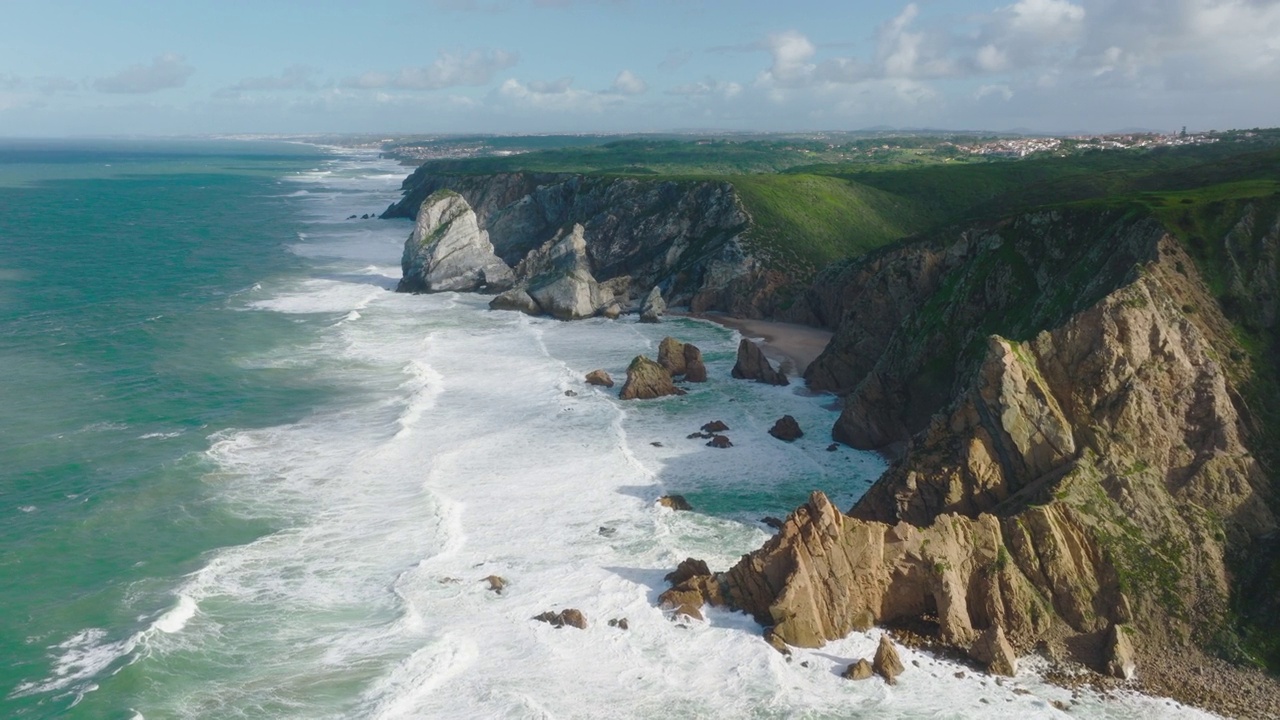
x=616 y=67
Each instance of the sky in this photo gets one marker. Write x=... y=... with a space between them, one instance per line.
x=190 y=67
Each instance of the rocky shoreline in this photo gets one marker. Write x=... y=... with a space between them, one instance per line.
x=1059 y=392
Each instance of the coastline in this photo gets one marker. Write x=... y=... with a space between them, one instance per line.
x=792 y=346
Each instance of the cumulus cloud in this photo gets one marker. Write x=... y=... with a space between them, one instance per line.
x=164 y=72
x=475 y=67
x=295 y=77
x=707 y=87
x=628 y=83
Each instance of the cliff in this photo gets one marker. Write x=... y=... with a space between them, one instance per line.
x=1070 y=399
x=686 y=237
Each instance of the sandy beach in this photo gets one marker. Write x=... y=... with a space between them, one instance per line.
x=793 y=347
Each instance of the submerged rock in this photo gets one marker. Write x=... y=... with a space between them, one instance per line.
x=653 y=307
x=675 y=502
x=719 y=441
x=646 y=380
x=448 y=251
x=753 y=365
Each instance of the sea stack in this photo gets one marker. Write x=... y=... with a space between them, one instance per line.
x=448 y=251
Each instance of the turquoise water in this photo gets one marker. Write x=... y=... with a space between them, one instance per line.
x=120 y=356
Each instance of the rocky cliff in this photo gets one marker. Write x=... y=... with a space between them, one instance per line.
x=685 y=236
x=1077 y=462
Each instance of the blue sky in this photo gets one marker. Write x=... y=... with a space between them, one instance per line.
x=431 y=66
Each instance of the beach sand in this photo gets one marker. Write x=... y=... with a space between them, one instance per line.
x=792 y=347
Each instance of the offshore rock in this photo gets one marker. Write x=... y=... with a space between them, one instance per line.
x=653 y=307
x=568 y=617
x=599 y=377
x=860 y=670
x=719 y=441
x=715 y=426
x=448 y=251
x=675 y=502
x=886 y=663
x=787 y=429
x=695 y=370
x=646 y=380
x=753 y=365
x=671 y=355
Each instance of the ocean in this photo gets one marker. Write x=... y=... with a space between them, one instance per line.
x=242 y=478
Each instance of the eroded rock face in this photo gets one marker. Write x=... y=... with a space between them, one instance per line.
x=558 y=277
x=753 y=365
x=1118 y=653
x=448 y=251
x=993 y=650
x=646 y=380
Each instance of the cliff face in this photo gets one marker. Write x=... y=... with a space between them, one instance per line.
x=683 y=236
x=1075 y=459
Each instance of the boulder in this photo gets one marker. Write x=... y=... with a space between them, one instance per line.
x=776 y=642
x=694 y=369
x=675 y=502
x=688 y=568
x=558 y=277
x=753 y=365
x=786 y=429
x=715 y=426
x=993 y=650
x=448 y=251
x=496 y=583
x=515 y=299
x=671 y=355
x=860 y=670
x=653 y=307
x=886 y=663
x=719 y=441
x=620 y=623
x=646 y=380
x=568 y=616
x=1118 y=654
x=613 y=311
x=599 y=377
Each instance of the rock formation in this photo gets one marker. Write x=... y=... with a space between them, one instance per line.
x=695 y=370
x=515 y=299
x=860 y=670
x=786 y=428
x=886 y=663
x=599 y=377
x=676 y=502
x=448 y=251
x=568 y=617
x=1065 y=399
x=719 y=441
x=646 y=380
x=653 y=307
x=715 y=426
x=671 y=355
x=558 y=278
x=753 y=365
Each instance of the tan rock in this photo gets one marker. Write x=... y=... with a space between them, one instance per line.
x=646 y=380
x=1118 y=653
x=860 y=670
x=689 y=568
x=568 y=617
x=599 y=377
x=993 y=650
x=886 y=663
x=671 y=355
x=776 y=642
x=496 y=583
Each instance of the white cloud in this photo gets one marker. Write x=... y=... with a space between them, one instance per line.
x=165 y=71
x=1003 y=91
x=295 y=77
x=991 y=58
x=1046 y=18
x=628 y=83
x=474 y=68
